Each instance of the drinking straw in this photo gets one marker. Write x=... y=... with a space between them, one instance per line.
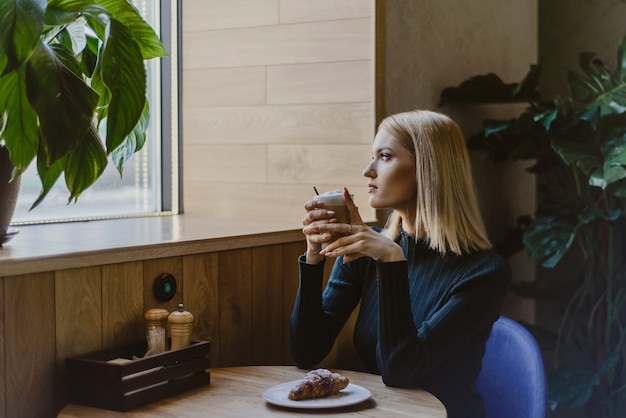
x=316 y=192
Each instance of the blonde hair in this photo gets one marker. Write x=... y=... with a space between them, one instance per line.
x=447 y=212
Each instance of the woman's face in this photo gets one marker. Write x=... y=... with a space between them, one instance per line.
x=392 y=174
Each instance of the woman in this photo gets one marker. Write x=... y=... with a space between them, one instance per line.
x=428 y=284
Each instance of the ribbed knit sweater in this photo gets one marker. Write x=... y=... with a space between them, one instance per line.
x=422 y=322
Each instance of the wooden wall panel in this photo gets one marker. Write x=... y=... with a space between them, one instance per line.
x=225 y=87
x=201 y=15
x=201 y=297
x=292 y=11
x=235 y=307
x=279 y=44
x=297 y=124
x=269 y=328
x=294 y=165
x=2 y=367
x=29 y=345
x=291 y=252
x=208 y=162
x=78 y=300
x=122 y=304
x=236 y=200
x=153 y=269
x=334 y=82
x=279 y=72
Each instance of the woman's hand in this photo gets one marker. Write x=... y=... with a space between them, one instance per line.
x=316 y=215
x=359 y=241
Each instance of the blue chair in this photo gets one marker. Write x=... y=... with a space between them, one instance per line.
x=512 y=381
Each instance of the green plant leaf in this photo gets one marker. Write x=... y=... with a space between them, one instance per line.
x=64 y=103
x=22 y=22
x=63 y=12
x=133 y=142
x=21 y=132
x=583 y=89
x=577 y=146
x=48 y=174
x=617 y=188
x=620 y=68
x=548 y=238
x=85 y=164
x=489 y=88
x=76 y=30
x=592 y=213
x=124 y=74
x=123 y=11
x=571 y=386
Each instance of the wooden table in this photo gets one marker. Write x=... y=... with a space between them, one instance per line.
x=237 y=392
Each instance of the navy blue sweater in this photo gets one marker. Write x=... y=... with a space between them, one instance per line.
x=422 y=322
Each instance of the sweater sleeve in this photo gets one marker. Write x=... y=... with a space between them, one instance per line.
x=407 y=351
x=317 y=319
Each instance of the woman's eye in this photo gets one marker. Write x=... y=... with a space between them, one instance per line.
x=384 y=156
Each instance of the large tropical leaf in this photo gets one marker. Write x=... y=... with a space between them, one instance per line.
x=489 y=88
x=21 y=131
x=598 y=87
x=85 y=164
x=133 y=142
x=571 y=386
x=64 y=103
x=578 y=146
x=124 y=74
x=48 y=174
x=63 y=12
x=548 y=238
x=21 y=24
x=124 y=12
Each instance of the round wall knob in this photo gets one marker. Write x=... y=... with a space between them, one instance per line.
x=164 y=287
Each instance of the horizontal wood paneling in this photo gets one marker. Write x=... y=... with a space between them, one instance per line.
x=299 y=74
x=224 y=87
x=299 y=164
x=286 y=201
x=279 y=44
x=226 y=163
x=310 y=11
x=302 y=124
x=336 y=82
x=201 y=15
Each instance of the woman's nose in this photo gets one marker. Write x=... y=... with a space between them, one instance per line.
x=368 y=171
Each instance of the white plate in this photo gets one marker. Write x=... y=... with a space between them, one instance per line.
x=353 y=394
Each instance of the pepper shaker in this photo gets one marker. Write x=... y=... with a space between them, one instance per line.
x=180 y=327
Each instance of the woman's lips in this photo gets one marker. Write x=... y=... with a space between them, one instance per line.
x=371 y=188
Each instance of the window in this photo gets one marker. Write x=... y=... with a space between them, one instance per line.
x=149 y=185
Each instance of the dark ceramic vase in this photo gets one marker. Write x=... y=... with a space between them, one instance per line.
x=9 y=191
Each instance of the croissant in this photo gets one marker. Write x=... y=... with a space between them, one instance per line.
x=317 y=384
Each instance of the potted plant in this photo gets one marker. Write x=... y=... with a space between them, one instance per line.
x=578 y=145
x=73 y=87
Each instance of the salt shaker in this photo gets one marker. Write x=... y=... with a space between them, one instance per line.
x=156 y=325
x=180 y=327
